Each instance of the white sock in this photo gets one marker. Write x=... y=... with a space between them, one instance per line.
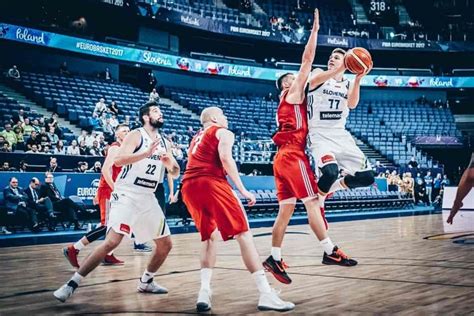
x=206 y=274
x=77 y=278
x=336 y=186
x=261 y=281
x=110 y=253
x=276 y=253
x=327 y=245
x=79 y=245
x=147 y=276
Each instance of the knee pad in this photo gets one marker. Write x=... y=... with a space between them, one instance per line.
x=360 y=179
x=330 y=172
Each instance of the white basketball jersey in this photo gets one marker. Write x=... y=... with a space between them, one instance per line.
x=143 y=176
x=327 y=105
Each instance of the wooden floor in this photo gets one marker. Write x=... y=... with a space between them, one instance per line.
x=398 y=272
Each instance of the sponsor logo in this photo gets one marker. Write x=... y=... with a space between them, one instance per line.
x=183 y=63
x=26 y=35
x=414 y=82
x=190 y=20
x=381 y=81
x=327 y=158
x=3 y=30
x=333 y=115
x=89 y=192
x=148 y=57
x=146 y=183
x=125 y=228
x=214 y=68
x=240 y=71
x=338 y=41
x=244 y=30
x=441 y=82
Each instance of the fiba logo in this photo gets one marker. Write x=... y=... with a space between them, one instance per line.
x=88 y=192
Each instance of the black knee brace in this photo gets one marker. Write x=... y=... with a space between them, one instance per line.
x=330 y=172
x=360 y=179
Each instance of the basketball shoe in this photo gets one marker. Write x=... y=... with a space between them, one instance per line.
x=71 y=255
x=65 y=291
x=111 y=260
x=142 y=247
x=271 y=302
x=277 y=268
x=203 y=303
x=338 y=257
x=151 y=287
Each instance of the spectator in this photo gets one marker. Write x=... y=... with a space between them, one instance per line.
x=154 y=96
x=34 y=149
x=96 y=168
x=23 y=166
x=437 y=185
x=60 y=204
x=27 y=127
x=9 y=135
x=33 y=140
x=151 y=81
x=446 y=182
x=73 y=149
x=114 y=122
x=393 y=181
x=35 y=125
x=53 y=137
x=407 y=184
x=106 y=75
x=6 y=148
x=59 y=148
x=412 y=164
x=44 y=138
x=53 y=122
x=46 y=149
x=95 y=150
x=53 y=165
x=16 y=203
x=82 y=167
x=63 y=69
x=100 y=107
x=41 y=205
x=41 y=122
x=6 y=166
x=20 y=140
x=429 y=186
x=107 y=128
x=254 y=173
x=420 y=191
x=113 y=108
x=3 y=142
x=83 y=149
x=13 y=73
x=19 y=116
x=86 y=137
x=190 y=132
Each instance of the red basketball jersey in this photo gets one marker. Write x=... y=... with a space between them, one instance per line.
x=115 y=172
x=292 y=123
x=203 y=156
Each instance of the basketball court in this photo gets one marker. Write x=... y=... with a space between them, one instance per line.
x=400 y=271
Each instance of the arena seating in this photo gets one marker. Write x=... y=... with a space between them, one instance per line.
x=74 y=98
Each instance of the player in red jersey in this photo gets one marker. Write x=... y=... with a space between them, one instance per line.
x=106 y=185
x=216 y=209
x=294 y=177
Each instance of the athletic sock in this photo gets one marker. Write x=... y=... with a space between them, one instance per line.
x=261 y=281
x=327 y=245
x=79 y=245
x=206 y=274
x=110 y=253
x=75 y=280
x=147 y=276
x=276 y=253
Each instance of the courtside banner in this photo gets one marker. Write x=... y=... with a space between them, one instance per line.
x=89 y=47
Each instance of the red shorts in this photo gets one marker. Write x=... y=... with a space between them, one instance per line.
x=103 y=195
x=293 y=175
x=212 y=204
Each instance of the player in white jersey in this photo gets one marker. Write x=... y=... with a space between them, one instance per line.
x=134 y=208
x=330 y=97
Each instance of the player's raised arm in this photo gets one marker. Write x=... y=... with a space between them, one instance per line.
x=226 y=141
x=126 y=155
x=353 y=95
x=296 y=93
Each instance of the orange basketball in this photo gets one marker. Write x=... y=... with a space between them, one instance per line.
x=358 y=60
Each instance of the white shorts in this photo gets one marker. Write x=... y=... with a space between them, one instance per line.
x=337 y=145
x=139 y=214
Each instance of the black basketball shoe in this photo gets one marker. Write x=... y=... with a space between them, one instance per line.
x=277 y=268
x=338 y=257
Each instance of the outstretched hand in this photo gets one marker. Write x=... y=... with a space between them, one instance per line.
x=316 y=20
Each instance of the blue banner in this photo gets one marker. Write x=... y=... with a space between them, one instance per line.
x=79 y=45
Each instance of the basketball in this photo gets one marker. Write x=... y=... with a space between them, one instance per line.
x=358 y=60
